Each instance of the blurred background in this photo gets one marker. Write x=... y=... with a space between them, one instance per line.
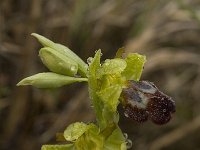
x=167 y=32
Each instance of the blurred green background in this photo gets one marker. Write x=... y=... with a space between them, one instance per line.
x=167 y=32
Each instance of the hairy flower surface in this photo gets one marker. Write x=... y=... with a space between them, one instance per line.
x=142 y=100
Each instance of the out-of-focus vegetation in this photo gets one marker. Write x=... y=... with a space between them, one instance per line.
x=167 y=32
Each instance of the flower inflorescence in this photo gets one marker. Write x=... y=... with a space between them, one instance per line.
x=109 y=83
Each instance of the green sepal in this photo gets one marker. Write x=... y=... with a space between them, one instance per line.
x=58 y=147
x=49 y=80
x=58 y=63
x=135 y=63
x=82 y=66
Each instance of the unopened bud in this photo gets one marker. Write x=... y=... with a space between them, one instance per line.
x=58 y=63
x=49 y=80
x=65 y=51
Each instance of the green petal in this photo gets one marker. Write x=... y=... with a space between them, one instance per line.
x=135 y=63
x=112 y=66
x=57 y=62
x=49 y=80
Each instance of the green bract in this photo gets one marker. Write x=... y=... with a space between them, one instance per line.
x=105 y=81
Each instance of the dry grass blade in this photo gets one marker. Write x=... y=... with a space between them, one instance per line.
x=176 y=134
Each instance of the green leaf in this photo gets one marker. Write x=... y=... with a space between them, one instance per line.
x=58 y=63
x=135 y=63
x=82 y=66
x=75 y=130
x=49 y=80
x=58 y=147
x=112 y=66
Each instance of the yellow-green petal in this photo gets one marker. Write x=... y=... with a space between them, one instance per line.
x=135 y=63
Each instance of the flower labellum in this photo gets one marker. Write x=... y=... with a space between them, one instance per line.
x=142 y=100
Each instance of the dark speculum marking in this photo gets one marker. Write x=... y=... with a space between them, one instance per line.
x=132 y=94
x=143 y=100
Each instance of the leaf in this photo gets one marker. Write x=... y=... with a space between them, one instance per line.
x=82 y=66
x=49 y=80
x=135 y=63
x=112 y=66
x=75 y=130
x=58 y=147
x=58 y=63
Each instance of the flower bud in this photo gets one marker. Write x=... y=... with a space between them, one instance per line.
x=49 y=80
x=65 y=51
x=58 y=63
